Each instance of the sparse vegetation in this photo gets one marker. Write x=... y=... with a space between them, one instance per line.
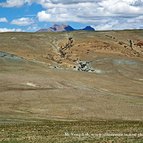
x=72 y=131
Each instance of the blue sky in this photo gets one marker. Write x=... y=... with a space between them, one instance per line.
x=32 y=15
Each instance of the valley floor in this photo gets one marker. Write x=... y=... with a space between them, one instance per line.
x=42 y=101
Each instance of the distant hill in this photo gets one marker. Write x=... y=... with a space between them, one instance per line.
x=62 y=27
x=57 y=28
x=88 y=28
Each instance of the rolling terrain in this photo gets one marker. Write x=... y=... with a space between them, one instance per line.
x=96 y=80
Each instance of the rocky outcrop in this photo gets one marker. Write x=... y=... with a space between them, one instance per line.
x=67 y=46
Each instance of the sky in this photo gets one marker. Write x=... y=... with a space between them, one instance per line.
x=32 y=15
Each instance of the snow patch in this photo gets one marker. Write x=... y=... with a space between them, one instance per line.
x=31 y=84
x=98 y=71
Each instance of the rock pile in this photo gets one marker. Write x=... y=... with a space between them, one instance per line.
x=84 y=66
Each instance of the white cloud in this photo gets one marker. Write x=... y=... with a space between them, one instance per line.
x=14 y=3
x=10 y=30
x=88 y=7
x=33 y=27
x=138 y=19
x=22 y=21
x=118 y=23
x=107 y=26
x=87 y=11
x=121 y=7
x=104 y=14
x=80 y=12
x=3 y=19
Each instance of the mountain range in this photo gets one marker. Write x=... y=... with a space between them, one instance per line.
x=62 y=28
